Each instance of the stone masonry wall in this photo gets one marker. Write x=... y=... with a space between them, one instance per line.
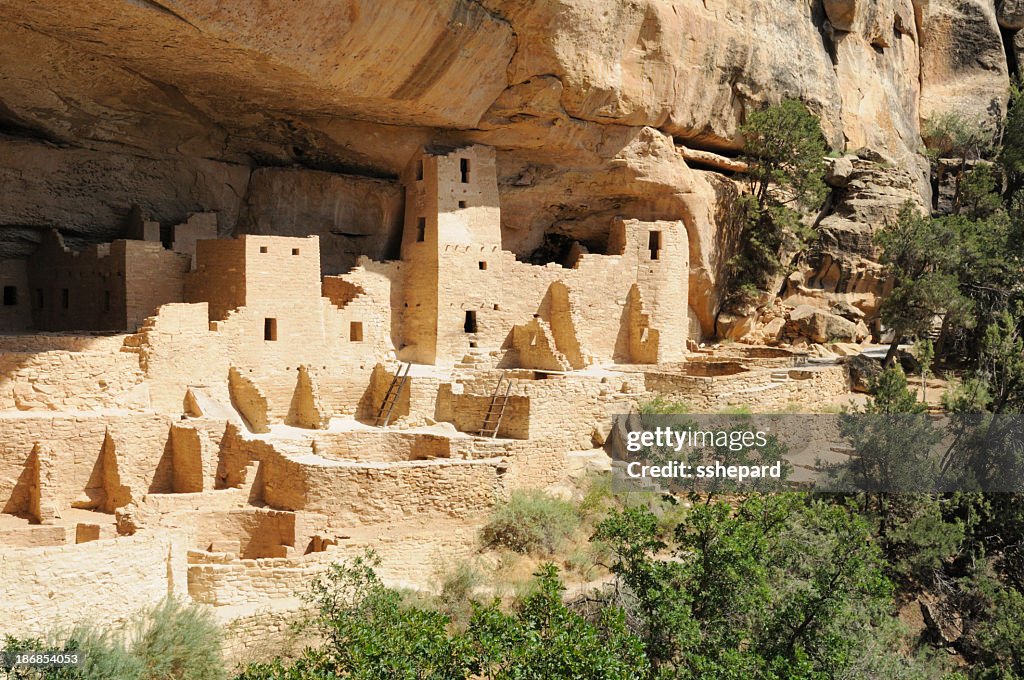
x=220 y=580
x=43 y=589
x=16 y=304
x=353 y=494
x=71 y=381
x=92 y=453
x=800 y=387
x=111 y=286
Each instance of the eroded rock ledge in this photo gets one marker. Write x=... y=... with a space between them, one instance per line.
x=597 y=108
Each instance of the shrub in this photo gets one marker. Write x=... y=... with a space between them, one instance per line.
x=598 y=497
x=177 y=641
x=106 y=657
x=106 y=654
x=994 y=628
x=371 y=635
x=172 y=641
x=531 y=522
x=459 y=583
x=661 y=405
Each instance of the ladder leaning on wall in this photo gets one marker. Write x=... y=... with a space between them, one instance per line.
x=391 y=396
x=496 y=409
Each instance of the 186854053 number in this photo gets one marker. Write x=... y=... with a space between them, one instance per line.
x=54 y=659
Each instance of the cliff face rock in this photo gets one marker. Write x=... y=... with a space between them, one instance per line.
x=963 y=62
x=843 y=267
x=398 y=63
x=88 y=193
x=878 y=57
x=297 y=117
x=353 y=216
x=690 y=68
x=1011 y=14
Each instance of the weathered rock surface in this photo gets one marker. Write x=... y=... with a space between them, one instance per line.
x=942 y=618
x=963 y=62
x=689 y=67
x=353 y=216
x=818 y=325
x=598 y=109
x=838 y=171
x=878 y=67
x=842 y=268
x=863 y=370
x=1011 y=14
x=1017 y=49
x=842 y=13
x=88 y=193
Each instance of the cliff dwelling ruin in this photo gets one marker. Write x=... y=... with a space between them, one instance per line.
x=212 y=417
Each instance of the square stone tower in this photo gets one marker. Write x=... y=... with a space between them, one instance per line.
x=452 y=243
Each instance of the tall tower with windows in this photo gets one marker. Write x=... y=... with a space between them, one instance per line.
x=451 y=242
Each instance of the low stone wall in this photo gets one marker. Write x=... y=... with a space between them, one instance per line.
x=221 y=579
x=379 y=445
x=252 y=532
x=270 y=631
x=765 y=390
x=564 y=411
x=62 y=380
x=36 y=343
x=413 y=558
x=467 y=413
x=151 y=509
x=410 y=557
x=104 y=581
x=36 y=535
x=259 y=629
x=354 y=494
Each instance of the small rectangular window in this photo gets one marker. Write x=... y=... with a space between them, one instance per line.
x=482 y=265
x=470 y=325
x=295 y=251
x=10 y=296
x=106 y=301
x=421 y=229
x=270 y=329
x=462 y=205
x=40 y=298
x=264 y=249
x=65 y=298
x=419 y=169
x=464 y=169
x=355 y=331
x=654 y=244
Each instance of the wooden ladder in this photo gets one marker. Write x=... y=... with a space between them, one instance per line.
x=496 y=409
x=391 y=396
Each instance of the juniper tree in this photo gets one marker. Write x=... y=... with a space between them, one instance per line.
x=784 y=150
x=921 y=255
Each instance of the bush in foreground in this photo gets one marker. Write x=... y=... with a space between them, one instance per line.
x=373 y=633
x=171 y=641
x=531 y=522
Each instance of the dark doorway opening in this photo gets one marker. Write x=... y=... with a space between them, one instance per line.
x=654 y=244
